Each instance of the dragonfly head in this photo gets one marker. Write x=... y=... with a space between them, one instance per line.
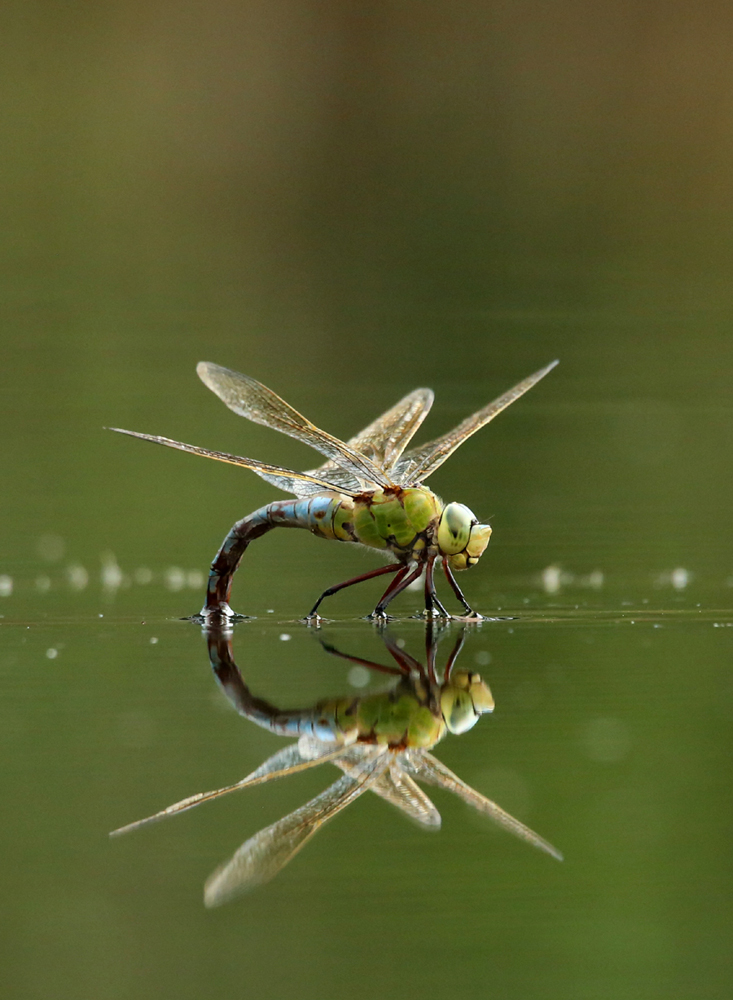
x=461 y=539
x=463 y=699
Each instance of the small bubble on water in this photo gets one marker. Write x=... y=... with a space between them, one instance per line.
x=270 y=611
x=284 y=637
x=43 y=584
x=679 y=578
x=175 y=578
x=6 y=586
x=52 y=653
x=77 y=576
x=153 y=640
x=358 y=677
x=482 y=658
x=143 y=575
x=51 y=547
x=112 y=575
x=400 y=643
x=551 y=579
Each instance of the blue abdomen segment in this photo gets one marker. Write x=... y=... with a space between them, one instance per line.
x=315 y=513
x=322 y=728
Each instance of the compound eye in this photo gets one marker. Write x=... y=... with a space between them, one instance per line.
x=480 y=535
x=454 y=529
x=458 y=711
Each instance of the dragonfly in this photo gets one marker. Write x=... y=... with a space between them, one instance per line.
x=370 y=491
x=380 y=741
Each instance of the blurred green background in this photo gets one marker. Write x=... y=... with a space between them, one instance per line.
x=347 y=202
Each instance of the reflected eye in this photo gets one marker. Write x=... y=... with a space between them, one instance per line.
x=463 y=700
x=454 y=529
x=458 y=711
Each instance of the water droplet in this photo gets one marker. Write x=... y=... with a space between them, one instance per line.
x=358 y=677
x=175 y=578
x=77 y=576
x=51 y=547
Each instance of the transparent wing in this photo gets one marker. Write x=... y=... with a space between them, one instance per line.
x=397 y=788
x=263 y=855
x=287 y=761
x=249 y=398
x=299 y=483
x=417 y=464
x=427 y=768
x=384 y=440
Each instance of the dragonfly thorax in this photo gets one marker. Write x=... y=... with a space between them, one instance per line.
x=402 y=520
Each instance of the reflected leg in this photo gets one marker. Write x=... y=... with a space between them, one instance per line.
x=371 y=664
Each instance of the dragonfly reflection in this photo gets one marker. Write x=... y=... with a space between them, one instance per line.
x=380 y=740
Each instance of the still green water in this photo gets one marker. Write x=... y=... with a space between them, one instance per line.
x=611 y=738
x=348 y=208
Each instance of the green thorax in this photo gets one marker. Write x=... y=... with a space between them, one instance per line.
x=406 y=716
x=402 y=520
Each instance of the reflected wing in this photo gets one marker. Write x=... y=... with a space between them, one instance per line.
x=384 y=440
x=299 y=483
x=249 y=398
x=263 y=855
x=397 y=788
x=287 y=761
x=427 y=768
x=417 y=464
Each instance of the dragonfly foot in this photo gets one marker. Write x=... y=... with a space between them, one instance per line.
x=474 y=616
x=433 y=614
x=313 y=620
x=218 y=616
x=379 y=617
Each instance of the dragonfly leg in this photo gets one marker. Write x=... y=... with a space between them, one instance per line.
x=400 y=583
x=391 y=568
x=470 y=613
x=433 y=607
